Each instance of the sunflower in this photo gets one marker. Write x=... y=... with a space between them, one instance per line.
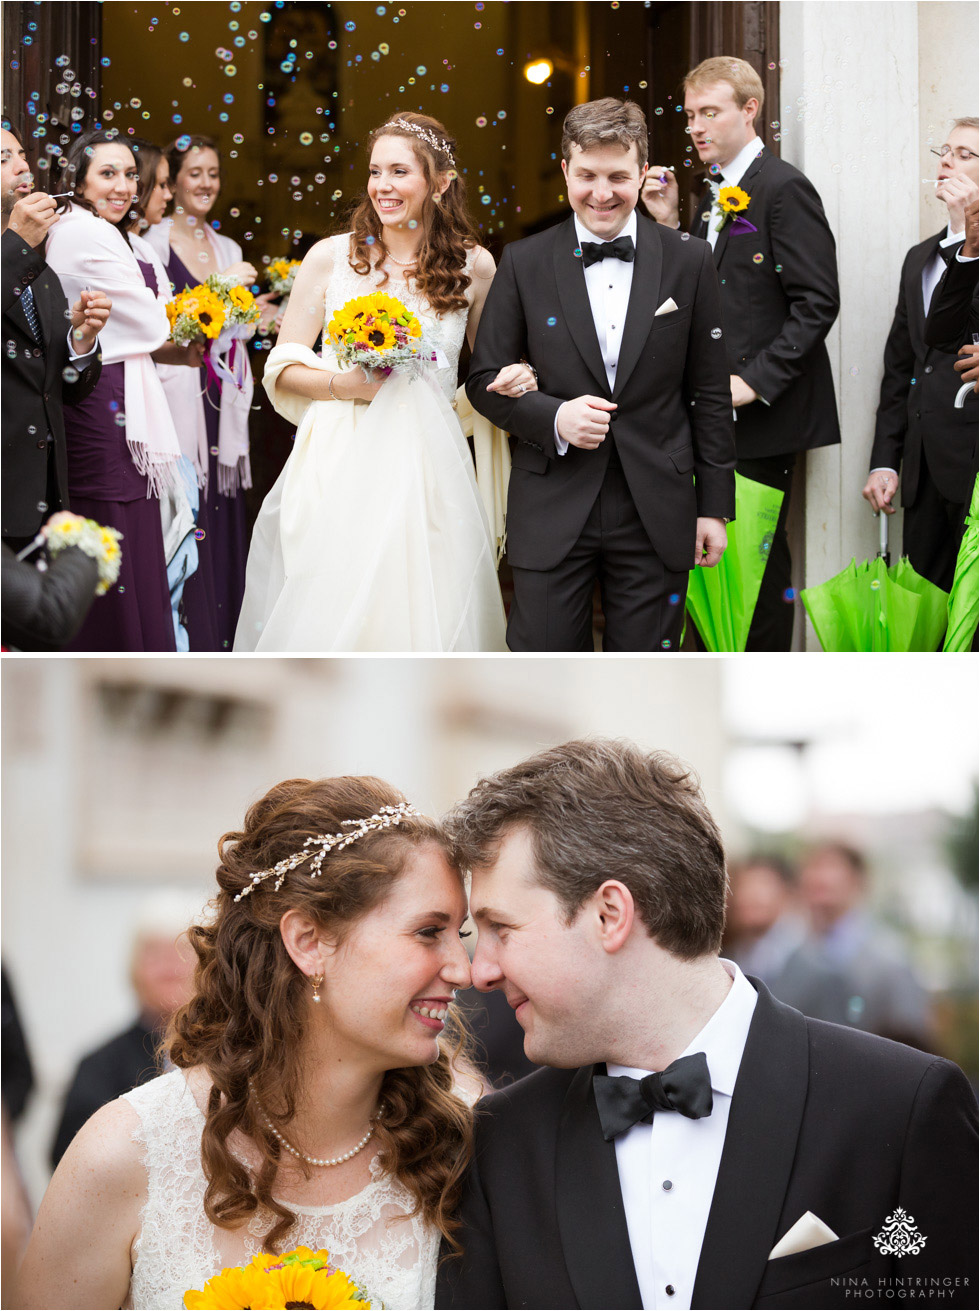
x=379 y=336
x=210 y=314
x=733 y=200
x=237 y=1288
x=241 y=298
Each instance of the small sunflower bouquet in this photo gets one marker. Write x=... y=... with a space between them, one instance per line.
x=65 y=529
x=381 y=335
x=196 y=314
x=733 y=201
x=239 y=304
x=301 y=1278
x=282 y=275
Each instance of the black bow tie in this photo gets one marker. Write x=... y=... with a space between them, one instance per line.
x=684 y=1086
x=622 y=248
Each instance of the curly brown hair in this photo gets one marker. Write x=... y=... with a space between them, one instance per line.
x=250 y=1004
x=448 y=232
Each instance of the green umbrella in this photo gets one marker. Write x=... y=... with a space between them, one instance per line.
x=874 y=607
x=963 y=602
x=721 y=600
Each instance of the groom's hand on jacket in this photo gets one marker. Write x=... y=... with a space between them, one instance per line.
x=712 y=539
x=584 y=421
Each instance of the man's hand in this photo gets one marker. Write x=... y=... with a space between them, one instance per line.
x=742 y=393
x=711 y=542
x=660 y=195
x=958 y=192
x=879 y=491
x=584 y=421
x=89 y=315
x=971 y=247
x=32 y=216
x=966 y=365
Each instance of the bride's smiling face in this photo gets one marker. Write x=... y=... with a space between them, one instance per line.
x=389 y=983
x=397 y=186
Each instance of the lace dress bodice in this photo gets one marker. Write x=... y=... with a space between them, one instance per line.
x=445 y=332
x=371 y=1235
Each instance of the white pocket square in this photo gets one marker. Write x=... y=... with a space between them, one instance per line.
x=667 y=306
x=809 y=1231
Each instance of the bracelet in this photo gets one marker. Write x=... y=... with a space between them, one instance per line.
x=330 y=387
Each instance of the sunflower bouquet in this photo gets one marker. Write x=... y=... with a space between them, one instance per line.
x=301 y=1278
x=380 y=334
x=102 y=544
x=196 y=314
x=239 y=303
x=282 y=275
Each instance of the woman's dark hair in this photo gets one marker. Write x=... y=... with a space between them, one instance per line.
x=448 y=232
x=251 y=1004
x=148 y=158
x=78 y=160
x=179 y=151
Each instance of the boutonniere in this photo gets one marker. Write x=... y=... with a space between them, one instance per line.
x=732 y=201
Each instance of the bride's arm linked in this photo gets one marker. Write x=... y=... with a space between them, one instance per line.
x=513 y=379
x=302 y=324
x=79 y=1253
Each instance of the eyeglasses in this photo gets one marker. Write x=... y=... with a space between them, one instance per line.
x=961 y=153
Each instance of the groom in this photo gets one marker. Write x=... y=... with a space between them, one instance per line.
x=624 y=466
x=697 y=1143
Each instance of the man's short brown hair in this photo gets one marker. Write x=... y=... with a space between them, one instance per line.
x=598 y=809
x=608 y=122
x=745 y=82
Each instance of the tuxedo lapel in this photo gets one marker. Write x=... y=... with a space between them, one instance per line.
x=591 y=1216
x=760 y=1148
x=643 y=301
x=746 y=184
x=913 y=294
x=575 y=304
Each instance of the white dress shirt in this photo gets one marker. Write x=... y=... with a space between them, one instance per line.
x=668 y=1169
x=608 y=282
x=730 y=176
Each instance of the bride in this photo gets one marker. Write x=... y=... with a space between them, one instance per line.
x=315 y=1100
x=374 y=537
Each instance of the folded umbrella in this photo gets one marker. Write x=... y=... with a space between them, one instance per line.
x=963 y=595
x=721 y=600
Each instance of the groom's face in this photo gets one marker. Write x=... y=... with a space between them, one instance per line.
x=543 y=966
x=604 y=185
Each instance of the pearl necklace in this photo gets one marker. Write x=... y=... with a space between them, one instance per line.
x=405 y=263
x=311 y=1160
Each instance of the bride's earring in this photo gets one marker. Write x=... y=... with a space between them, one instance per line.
x=317 y=981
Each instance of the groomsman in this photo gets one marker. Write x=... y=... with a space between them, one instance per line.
x=696 y=1143
x=622 y=472
x=778 y=268
x=917 y=427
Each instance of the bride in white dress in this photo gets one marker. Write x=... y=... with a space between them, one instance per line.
x=374 y=537
x=317 y=1098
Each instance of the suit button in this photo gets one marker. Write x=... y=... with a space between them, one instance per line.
x=42 y=446
x=918 y=415
x=47 y=396
x=928 y=368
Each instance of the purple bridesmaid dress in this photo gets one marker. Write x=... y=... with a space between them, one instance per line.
x=213 y=595
x=105 y=485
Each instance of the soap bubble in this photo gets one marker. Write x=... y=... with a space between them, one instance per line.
x=716 y=334
x=552 y=321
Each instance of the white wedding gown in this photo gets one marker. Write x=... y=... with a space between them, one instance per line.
x=371 y=1236
x=374 y=537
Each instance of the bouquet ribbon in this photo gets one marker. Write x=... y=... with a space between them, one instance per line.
x=219 y=372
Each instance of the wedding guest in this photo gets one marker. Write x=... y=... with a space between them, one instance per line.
x=122 y=445
x=211 y=414
x=953 y=315
x=917 y=428
x=778 y=268
x=46 y=364
x=153 y=193
x=887 y=997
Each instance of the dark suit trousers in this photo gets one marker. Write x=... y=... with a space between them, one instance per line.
x=772 y=622
x=933 y=530
x=642 y=600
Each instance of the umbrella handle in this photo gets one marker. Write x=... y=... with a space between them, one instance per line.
x=883 y=536
x=962 y=394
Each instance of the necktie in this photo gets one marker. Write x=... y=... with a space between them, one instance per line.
x=622 y=248
x=622 y=1101
x=30 y=313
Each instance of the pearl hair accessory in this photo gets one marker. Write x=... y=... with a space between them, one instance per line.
x=428 y=137
x=314 y=1160
x=385 y=818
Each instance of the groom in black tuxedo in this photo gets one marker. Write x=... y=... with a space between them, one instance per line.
x=623 y=469
x=697 y=1143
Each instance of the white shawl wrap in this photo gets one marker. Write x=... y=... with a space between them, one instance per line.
x=90 y=253
x=183 y=388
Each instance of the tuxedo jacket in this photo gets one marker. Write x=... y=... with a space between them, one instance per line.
x=34 y=388
x=672 y=428
x=823 y=1119
x=777 y=310
x=918 y=388
x=953 y=313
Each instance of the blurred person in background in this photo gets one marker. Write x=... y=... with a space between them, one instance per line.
x=17 y=1082
x=161 y=972
x=767 y=936
x=886 y=997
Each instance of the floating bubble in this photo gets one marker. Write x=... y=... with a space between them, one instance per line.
x=790 y=594
x=336 y=194
x=758 y=258
x=481 y=121
x=230 y=70
x=306 y=138
x=685 y=236
x=421 y=70
x=120 y=420
x=485 y=200
x=675 y=598
x=136 y=103
x=716 y=334
x=183 y=142
x=185 y=36
x=350 y=26
x=42 y=506
x=779 y=268
x=199 y=534
x=384 y=47
x=552 y=321
x=32 y=430
x=854 y=371
x=550 y=109
x=319 y=179
x=666 y=642
x=577 y=252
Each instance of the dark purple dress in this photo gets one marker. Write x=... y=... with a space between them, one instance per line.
x=213 y=595
x=105 y=485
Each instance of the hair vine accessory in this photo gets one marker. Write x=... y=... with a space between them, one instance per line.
x=425 y=135
x=385 y=818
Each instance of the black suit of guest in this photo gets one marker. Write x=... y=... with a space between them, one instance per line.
x=35 y=470
x=918 y=429
x=953 y=310
x=823 y=1119
x=666 y=460
x=777 y=313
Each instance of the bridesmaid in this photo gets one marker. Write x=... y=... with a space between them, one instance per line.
x=211 y=418
x=122 y=444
